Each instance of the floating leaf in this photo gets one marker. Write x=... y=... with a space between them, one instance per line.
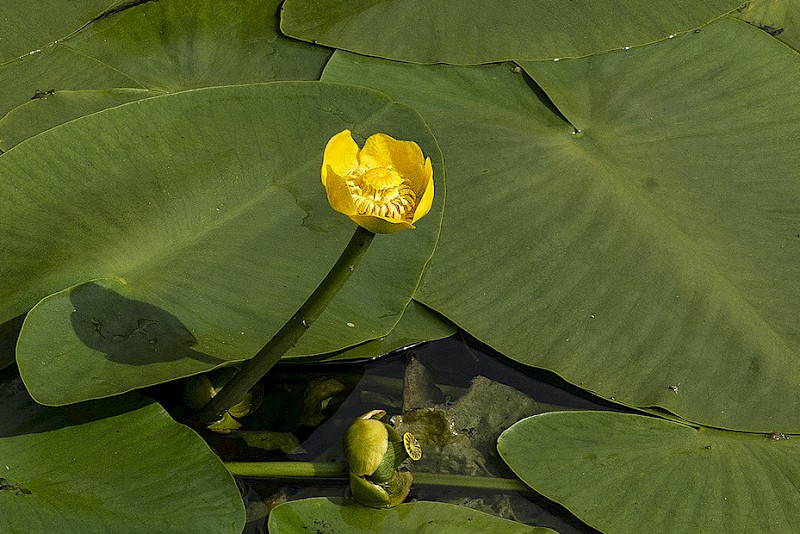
x=142 y=473
x=28 y=27
x=618 y=472
x=779 y=18
x=158 y=46
x=474 y=31
x=333 y=515
x=651 y=241
x=179 y=233
x=418 y=324
x=40 y=114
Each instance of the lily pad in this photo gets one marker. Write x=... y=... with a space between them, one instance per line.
x=618 y=472
x=333 y=515
x=417 y=325
x=183 y=44
x=49 y=110
x=779 y=18
x=636 y=232
x=470 y=32
x=179 y=233
x=155 y=46
x=27 y=27
x=142 y=473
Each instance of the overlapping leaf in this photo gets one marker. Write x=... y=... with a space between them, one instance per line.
x=473 y=31
x=647 y=251
x=179 y=233
x=157 y=46
x=417 y=325
x=28 y=27
x=624 y=473
x=780 y=18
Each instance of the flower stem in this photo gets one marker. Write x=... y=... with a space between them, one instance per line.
x=339 y=470
x=255 y=368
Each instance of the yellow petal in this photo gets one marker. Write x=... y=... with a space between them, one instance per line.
x=341 y=154
x=426 y=201
x=381 y=150
x=339 y=196
x=378 y=225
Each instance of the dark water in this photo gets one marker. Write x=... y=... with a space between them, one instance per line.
x=452 y=364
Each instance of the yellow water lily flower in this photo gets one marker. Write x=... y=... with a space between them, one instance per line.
x=384 y=187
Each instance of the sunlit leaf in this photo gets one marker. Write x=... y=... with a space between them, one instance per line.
x=779 y=18
x=27 y=27
x=417 y=325
x=625 y=473
x=183 y=44
x=475 y=31
x=40 y=114
x=649 y=242
x=158 y=46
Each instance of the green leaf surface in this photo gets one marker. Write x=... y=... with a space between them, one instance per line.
x=163 y=46
x=142 y=473
x=27 y=27
x=182 y=44
x=624 y=473
x=333 y=515
x=418 y=324
x=780 y=18
x=179 y=233
x=40 y=114
x=470 y=32
x=656 y=247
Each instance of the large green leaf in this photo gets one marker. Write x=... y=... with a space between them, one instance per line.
x=40 y=114
x=183 y=44
x=474 y=31
x=179 y=233
x=780 y=18
x=134 y=471
x=332 y=515
x=630 y=473
x=28 y=27
x=418 y=324
x=656 y=247
x=159 y=46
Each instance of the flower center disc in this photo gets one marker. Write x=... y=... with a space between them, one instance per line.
x=412 y=446
x=382 y=192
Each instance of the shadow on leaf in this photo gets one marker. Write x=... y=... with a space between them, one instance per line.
x=129 y=331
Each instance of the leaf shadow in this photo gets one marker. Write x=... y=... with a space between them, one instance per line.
x=128 y=331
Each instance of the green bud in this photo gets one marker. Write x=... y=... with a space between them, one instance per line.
x=365 y=443
x=386 y=495
x=374 y=452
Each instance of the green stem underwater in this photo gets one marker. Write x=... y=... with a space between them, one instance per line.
x=254 y=369
x=339 y=470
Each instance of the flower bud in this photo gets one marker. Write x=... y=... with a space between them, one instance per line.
x=374 y=452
